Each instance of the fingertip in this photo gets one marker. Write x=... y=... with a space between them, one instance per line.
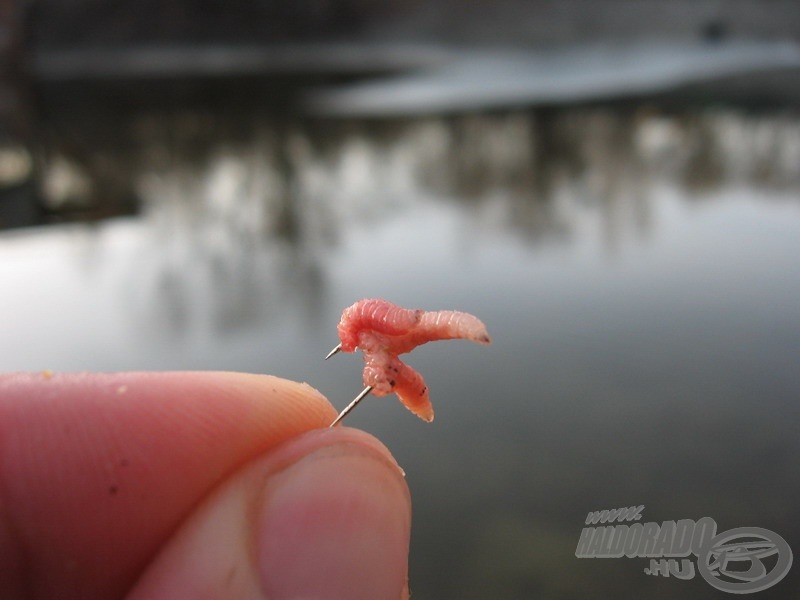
x=283 y=398
x=336 y=522
x=102 y=468
x=326 y=515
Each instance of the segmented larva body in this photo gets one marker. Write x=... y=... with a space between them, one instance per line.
x=387 y=374
x=382 y=331
x=375 y=315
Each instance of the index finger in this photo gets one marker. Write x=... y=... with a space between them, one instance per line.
x=96 y=471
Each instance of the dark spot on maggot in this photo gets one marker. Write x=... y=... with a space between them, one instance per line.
x=113 y=489
x=392 y=382
x=422 y=393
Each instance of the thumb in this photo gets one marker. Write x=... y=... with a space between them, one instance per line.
x=326 y=515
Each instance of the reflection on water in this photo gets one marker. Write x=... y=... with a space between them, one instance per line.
x=636 y=269
x=235 y=203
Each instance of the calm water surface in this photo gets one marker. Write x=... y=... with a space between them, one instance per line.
x=638 y=272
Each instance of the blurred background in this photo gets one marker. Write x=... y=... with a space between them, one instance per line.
x=611 y=186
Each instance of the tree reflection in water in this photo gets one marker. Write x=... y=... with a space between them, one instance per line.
x=243 y=207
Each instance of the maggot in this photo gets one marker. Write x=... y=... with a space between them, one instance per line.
x=383 y=331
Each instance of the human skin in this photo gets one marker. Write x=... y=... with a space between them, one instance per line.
x=192 y=485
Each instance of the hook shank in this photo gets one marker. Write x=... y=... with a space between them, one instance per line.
x=364 y=393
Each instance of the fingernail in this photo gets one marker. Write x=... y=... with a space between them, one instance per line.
x=336 y=524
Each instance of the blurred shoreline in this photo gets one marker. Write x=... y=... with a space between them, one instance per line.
x=76 y=78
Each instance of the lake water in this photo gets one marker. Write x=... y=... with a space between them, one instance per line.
x=638 y=272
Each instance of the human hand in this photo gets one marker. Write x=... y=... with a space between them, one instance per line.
x=192 y=485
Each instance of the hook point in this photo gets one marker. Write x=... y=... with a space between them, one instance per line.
x=336 y=350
